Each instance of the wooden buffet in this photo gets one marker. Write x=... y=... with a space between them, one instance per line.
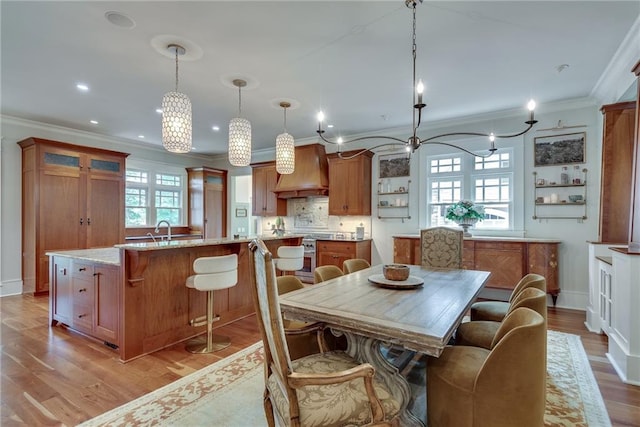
x=508 y=259
x=133 y=297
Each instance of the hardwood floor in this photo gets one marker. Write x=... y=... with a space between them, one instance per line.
x=52 y=376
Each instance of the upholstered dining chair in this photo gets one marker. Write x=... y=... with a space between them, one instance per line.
x=497 y=310
x=356 y=264
x=326 y=272
x=441 y=247
x=325 y=389
x=302 y=337
x=501 y=387
x=482 y=333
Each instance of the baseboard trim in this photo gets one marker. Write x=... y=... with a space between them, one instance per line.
x=10 y=287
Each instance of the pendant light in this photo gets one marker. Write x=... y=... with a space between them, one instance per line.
x=239 y=133
x=285 y=148
x=176 y=115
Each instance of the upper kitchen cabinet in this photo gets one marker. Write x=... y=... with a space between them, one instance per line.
x=350 y=184
x=72 y=198
x=265 y=201
x=207 y=202
x=617 y=168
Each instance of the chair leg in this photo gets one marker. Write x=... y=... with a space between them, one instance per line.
x=211 y=342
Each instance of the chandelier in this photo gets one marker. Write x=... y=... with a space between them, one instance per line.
x=285 y=147
x=176 y=115
x=413 y=142
x=239 y=133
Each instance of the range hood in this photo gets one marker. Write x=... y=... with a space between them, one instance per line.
x=310 y=176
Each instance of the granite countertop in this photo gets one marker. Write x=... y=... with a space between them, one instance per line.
x=101 y=255
x=342 y=239
x=491 y=238
x=174 y=244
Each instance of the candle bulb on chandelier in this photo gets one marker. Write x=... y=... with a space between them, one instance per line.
x=531 y=106
x=320 y=120
x=420 y=90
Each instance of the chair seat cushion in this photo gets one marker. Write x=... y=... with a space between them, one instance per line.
x=489 y=310
x=477 y=333
x=333 y=405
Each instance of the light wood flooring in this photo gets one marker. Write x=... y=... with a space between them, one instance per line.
x=52 y=376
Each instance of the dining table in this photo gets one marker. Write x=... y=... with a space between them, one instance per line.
x=419 y=314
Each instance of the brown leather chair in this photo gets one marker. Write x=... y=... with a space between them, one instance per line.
x=356 y=264
x=317 y=390
x=326 y=272
x=441 y=247
x=481 y=333
x=497 y=310
x=501 y=387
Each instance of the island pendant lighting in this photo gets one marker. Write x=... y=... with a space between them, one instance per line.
x=239 y=133
x=176 y=115
x=413 y=142
x=285 y=148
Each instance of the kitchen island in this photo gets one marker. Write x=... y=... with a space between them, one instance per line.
x=133 y=296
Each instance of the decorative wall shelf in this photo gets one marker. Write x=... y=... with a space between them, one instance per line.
x=393 y=198
x=545 y=199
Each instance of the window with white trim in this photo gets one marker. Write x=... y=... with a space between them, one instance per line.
x=487 y=181
x=152 y=196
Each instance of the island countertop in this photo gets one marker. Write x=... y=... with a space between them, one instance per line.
x=101 y=255
x=192 y=243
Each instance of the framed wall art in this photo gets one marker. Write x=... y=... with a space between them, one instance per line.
x=241 y=212
x=559 y=149
x=394 y=165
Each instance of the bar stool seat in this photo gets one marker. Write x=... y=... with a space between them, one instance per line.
x=212 y=274
x=290 y=258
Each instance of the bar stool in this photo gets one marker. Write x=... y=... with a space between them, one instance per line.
x=212 y=274
x=290 y=258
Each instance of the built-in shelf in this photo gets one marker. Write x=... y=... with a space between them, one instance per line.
x=546 y=202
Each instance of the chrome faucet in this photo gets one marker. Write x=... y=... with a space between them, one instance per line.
x=168 y=228
x=152 y=237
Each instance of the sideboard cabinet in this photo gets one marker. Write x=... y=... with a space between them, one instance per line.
x=72 y=198
x=508 y=260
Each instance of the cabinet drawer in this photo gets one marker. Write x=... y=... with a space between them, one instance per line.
x=339 y=247
x=83 y=292
x=83 y=317
x=82 y=270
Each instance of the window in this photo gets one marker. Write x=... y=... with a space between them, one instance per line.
x=152 y=196
x=486 y=181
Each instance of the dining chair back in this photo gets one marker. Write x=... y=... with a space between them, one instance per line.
x=326 y=272
x=497 y=310
x=322 y=389
x=356 y=264
x=441 y=247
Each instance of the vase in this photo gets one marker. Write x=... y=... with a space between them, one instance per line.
x=465 y=224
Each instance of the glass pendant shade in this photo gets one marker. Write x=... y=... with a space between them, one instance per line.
x=285 y=154
x=239 y=142
x=176 y=122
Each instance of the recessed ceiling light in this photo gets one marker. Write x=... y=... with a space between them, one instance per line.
x=215 y=128
x=119 y=19
x=141 y=136
x=329 y=126
x=83 y=87
x=93 y=122
x=159 y=110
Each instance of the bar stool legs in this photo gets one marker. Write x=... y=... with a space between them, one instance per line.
x=210 y=342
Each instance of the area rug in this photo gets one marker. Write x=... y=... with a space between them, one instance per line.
x=229 y=393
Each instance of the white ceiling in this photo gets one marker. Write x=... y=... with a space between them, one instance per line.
x=350 y=58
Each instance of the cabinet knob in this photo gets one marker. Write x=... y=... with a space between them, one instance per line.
x=88 y=221
x=81 y=221
x=80 y=316
x=82 y=269
x=82 y=290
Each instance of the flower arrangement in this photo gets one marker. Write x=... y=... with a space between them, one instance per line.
x=465 y=211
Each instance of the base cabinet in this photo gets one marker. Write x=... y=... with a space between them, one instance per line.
x=332 y=252
x=508 y=260
x=84 y=296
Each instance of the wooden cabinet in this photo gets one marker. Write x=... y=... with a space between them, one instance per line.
x=207 y=202
x=350 y=184
x=335 y=252
x=72 y=198
x=617 y=166
x=85 y=297
x=265 y=201
x=508 y=260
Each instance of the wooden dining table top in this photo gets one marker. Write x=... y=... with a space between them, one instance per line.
x=422 y=319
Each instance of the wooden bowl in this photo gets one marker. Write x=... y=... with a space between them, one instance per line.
x=395 y=272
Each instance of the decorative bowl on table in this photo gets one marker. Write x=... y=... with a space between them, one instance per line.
x=397 y=272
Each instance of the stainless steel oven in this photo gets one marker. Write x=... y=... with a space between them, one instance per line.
x=309 y=264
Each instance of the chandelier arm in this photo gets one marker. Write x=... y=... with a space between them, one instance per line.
x=364 y=150
x=444 y=135
x=362 y=138
x=460 y=148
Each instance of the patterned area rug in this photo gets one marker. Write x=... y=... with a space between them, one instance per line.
x=229 y=393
